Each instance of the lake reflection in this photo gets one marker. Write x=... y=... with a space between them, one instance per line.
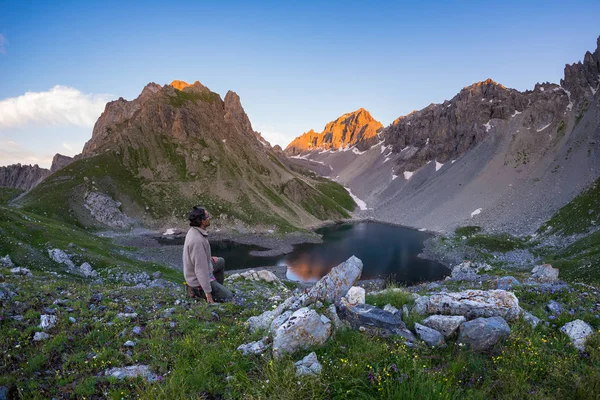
x=386 y=251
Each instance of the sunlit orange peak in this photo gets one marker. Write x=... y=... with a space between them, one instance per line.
x=179 y=85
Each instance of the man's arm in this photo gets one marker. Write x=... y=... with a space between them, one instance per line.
x=201 y=267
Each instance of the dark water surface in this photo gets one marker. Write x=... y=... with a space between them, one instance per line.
x=387 y=251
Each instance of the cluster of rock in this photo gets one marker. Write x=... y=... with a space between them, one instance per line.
x=477 y=319
x=26 y=177
x=106 y=210
x=262 y=275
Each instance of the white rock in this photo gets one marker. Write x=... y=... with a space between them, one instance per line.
x=471 y=304
x=129 y=343
x=87 y=270
x=47 y=321
x=61 y=257
x=447 y=325
x=309 y=365
x=73 y=320
x=267 y=276
x=303 y=329
x=132 y=371
x=578 y=331
x=126 y=315
x=390 y=308
x=258 y=347
x=6 y=262
x=280 y=320
x=39 y=336
x=544 y=273
x=355 y=295
x=21 y=271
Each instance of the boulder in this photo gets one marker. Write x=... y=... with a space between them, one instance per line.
x=471 y=304
x=531 y=319
x=303 y=329
x=431 y=337
x=87 y=270
x=376 y=320
x=555 y=307
x=47 y=321
x=507 y=283
x=355 y=295
x=336 y=283
x=267 y=276
x=309 y=365
x=21 y=271
x=468 y=270
x=40 y=336
x=447 y=325
x=482 y=334
x=544 y=273
x=258 y=347
x=59 y=256
x=132 y=371
x=6 y=262
x=262 y=321
x=578 y=331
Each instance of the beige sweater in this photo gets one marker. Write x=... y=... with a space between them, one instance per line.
x=197 y=266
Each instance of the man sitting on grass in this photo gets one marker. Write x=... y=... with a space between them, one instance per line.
x=203 y=274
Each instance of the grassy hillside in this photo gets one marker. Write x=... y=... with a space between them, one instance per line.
x=230 y=194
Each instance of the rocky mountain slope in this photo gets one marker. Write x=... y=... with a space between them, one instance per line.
x=490 y=156
x=28 y=176
x=179 y=145
x=356 y=129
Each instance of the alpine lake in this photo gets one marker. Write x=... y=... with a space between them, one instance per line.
x=387 y=251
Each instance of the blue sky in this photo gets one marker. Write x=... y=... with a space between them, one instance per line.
x=296 y=66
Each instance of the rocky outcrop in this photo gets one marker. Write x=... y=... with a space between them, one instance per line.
x=22 y=176
x=356 y=129
x=482 y=334
x=59 y=162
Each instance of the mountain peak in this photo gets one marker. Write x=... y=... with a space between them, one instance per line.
x=356 y=128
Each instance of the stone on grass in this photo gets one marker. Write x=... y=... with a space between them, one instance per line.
x=578 y=331
x=531 y=319
x=267 y=276
x=258 y=347
x=431 y=337
x=262 y=321
x=471 y=304
x=73 y=320
x=305 y=328
x=47 y=321
x=157 y=275
x=126 y=315
x=355 y=295
x=61 y=257
x=137 y=330
x=447 y=325
x=40 y=336
x=507 y=283
x=544 y=273
x=309 y=365
x=337 y=282
x=87 y=270
x=482 y=334
x=132 y=371
x=392 y=309
x=5 y=292
x=555 y=307
x=6 y=262
x=129 y=343
x=21 y=271
x=375 y=320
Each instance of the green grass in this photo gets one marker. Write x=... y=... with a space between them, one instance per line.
x=181 y=97
x=337 y=193
x=493 y=243
x=7 y=194
x=197 y=357
x=578 y=216
x=467 y=230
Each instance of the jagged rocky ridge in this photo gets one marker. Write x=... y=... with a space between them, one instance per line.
x=28 y=176
x=180 y=145
x=489 y=156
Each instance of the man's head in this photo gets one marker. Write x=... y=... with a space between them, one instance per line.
x=199 y=217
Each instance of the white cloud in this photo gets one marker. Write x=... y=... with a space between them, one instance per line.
x=3 y=43
x=274 y=137
x=59 y=106
x=68 y=146
x=12 y=153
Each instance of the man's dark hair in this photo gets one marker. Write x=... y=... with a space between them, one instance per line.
x=197 y=215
